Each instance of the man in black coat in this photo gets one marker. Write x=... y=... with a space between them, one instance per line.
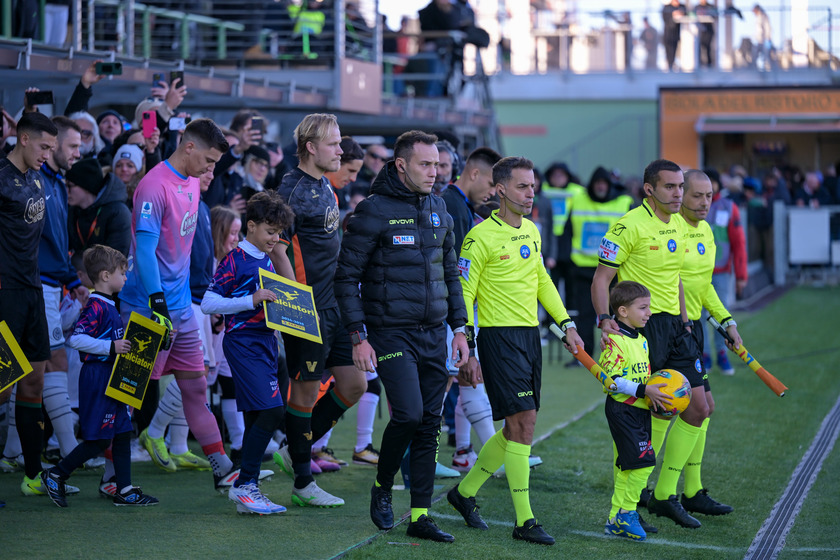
x=398 y=276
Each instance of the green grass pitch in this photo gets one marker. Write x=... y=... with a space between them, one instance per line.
x=755 y=441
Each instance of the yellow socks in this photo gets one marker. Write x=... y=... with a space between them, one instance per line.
x=417 y=512
x=658 y=429
x=491 y=457
x=693 y=484
x=518 y=474
x=681 y=443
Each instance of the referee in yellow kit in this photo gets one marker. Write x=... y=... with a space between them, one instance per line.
x=502 y=268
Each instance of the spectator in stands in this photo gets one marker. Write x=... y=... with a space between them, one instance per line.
x=375 y=157
x=672 y=13
x=650 y=40
x=98 y=214
x=92 y=143
x=707 y=32
x=763 y=40
x=255 y=164
x=812 y=193
x=278 y=165
x=830 y=182
x=227 y=183
x=56 y=17
x=150 y=148
x=110 y=125
x=128 y=165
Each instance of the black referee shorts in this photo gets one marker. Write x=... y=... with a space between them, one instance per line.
x=672 y=347
x=306 y=360
x=23 y=311
x=698 y=333
x=511 y=364
x=630 y=429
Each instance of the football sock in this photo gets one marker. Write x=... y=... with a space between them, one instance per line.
x=636 y=480
x=326 y=413
x=30 y=422
x=121 y=450
x=234 y=422
x=619 y=486
x=681 y=442
x=518 y=475
x=78 y=455
x=299 y=435
x=109 y=461
x=365 y=414
x=169 y=407
x=323 y=442
x=462 y=427
x=253 y=446
x=57 y=406
x=693 y=483
x=201 y=421
x=476 y=407
x=491 y=457
x=659 y=428
x=179 y=431
x=417 y=512
x=12 y=448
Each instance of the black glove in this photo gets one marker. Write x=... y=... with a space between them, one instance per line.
x=160 y=315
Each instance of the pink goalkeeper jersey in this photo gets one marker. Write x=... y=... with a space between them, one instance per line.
x=166 y=205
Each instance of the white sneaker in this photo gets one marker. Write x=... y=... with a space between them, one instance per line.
x=249 y=499
x=271 y=447
x=11 y=464
x=284 y=461
x=533 y=461
x=464 y=459
x=314 y=496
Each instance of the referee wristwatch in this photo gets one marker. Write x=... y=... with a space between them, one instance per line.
x=568 y=325
x=357 y=337
x=603 y=316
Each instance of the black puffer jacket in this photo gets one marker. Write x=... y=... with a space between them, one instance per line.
x=106 y=222
x=399 y=246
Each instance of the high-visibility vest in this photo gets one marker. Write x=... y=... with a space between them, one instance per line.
x=561 y=204
x=306 y=21
x=590 y=221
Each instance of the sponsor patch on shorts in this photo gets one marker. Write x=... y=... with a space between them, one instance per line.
x=403 y=240
x=464 y=267
x=608 y=250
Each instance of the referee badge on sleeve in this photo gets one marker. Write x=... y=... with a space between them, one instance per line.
x=608 y=250
x=464 y=267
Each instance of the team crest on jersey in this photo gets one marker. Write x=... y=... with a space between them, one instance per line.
x=435 y=219
x=403 y=240
x=524 y=251
x=608 y=250
x=146 y=210
x=701 y=249
x=697 y=365
x=672 y=245
x=464 y=268
x=189 y=195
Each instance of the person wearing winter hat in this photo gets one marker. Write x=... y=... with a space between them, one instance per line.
x=256 y=170
x=98 y=213
x=110 y=125
x=128 y=163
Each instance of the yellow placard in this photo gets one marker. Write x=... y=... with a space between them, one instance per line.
x=13 y=364
x=294 y=311
x=133 y=370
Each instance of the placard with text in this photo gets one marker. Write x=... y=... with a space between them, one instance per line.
x=294 y=311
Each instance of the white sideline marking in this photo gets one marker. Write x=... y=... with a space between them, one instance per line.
x=651 y=540
x=572 y=420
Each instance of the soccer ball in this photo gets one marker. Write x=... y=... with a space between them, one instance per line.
x=677 y=387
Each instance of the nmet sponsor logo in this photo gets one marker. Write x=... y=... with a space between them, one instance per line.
x=401 y=222
x=389 y=356
x=525 y=394
x=403 y=240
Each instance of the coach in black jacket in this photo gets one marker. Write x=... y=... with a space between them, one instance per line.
x=399 y=246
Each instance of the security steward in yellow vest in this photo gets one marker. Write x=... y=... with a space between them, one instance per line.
x=594 y=211
x=560 y=187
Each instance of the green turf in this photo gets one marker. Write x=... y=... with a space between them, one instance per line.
x=755 y=441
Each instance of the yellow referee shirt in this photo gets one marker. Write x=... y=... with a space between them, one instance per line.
x=627 y=356
x=696 y=273
x=645 y=249
x=501 y=267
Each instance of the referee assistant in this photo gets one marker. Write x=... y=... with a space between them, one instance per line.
x=501 y=267
x=696 y=277
x=647 y=245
